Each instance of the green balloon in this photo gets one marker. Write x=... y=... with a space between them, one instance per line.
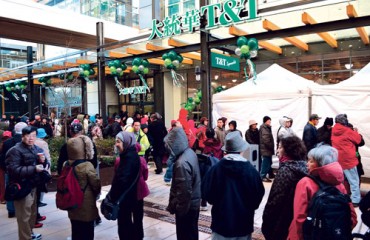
x=172 y=55
x=61 y=76
x=135 y=68
x=180 y=58
x=92 y=71
x=241 y=41
x=48 y=82
x=253 y=44
x=86 y=67
x=246 y=55
x=124 y=67
x=82 y=74
x=164 y=56
x=167 y=62
x=145 y=63
x=197 y=100
x=199 y=94
x=146 y=70
x=121 y=74
x=244 y=49
x=70 y=77
x=8 y=89
x=190 y=99
x=86 y=73
x=171 y=66
x=117 y=63
x=110 y=64
x=136 y=61
x=113 y=70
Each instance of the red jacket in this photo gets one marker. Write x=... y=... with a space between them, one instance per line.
x=331 y=174
x=344 y=140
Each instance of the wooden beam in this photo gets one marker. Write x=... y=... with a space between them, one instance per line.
x=152 y=47
x=308 y=20
x=134 y=51
x=71 y=64
x=237 y=31
x=292 y=40
x=176 y=43
x=84 y=61
x=156 y=61
x=118 y=54
x=351 y=13
x=187 y=61
x=191 y=55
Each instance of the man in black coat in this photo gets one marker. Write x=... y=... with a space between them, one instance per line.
x=157 y=132
x=310 y=132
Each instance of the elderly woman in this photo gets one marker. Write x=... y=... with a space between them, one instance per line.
x=125 y=180
x=278 y=212
x=322 y=165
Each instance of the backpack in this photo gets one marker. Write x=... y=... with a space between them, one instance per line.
x=329 y=214
x=69 y=194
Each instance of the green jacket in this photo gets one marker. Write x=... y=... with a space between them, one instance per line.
x=144 y=142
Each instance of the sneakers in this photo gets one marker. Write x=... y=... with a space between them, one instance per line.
x=265 y=179
x=203 y=208
x=11 y=214
x=36 y=236
x=41 y=218
x=38 y=225
x=168 y=183
x=355 y=205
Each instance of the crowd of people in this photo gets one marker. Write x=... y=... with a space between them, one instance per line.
x=230 y=183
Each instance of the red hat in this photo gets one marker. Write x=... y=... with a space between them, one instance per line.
x=7 y=134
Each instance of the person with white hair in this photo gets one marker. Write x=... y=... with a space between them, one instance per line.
x=322 y=165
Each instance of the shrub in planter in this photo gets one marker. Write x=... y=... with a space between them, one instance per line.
x=105 y=146
x=55 y=144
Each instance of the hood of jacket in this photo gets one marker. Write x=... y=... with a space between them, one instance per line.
x=232 y=165
x=282 y=121
x=331 y=173
x=339 y=129
x=176 y=141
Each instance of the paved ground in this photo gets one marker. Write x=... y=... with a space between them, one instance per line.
x=57 y=225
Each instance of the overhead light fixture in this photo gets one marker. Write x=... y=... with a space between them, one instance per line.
x=348 y=65
x=223 y=86
x=216 y=77
x=234 y=80
x=198 y=73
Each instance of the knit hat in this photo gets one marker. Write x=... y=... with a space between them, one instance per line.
x=252 y=122
x=130 y=121
x=235 y=143
x=144 y=126
x=328 y=121
x=19 y=126
x=76 y=126
x=266 y=118
x=342 y=119
x=7 y=134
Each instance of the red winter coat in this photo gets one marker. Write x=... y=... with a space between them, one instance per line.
x=344 y=139
x=331 y=174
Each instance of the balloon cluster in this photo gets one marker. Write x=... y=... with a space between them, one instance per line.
x=86 y=70
x=140 y=66
x=11 y=87
x=219 y=89
x=172 y=60
x=247 y=48
x=45 y=81
x=192 y=102
x=116 y=68
x=68 y=76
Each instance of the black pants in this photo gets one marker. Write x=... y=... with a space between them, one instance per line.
x=187 y=226
x=126 y=226
x=158 y=163
x=138 y=216
x=82 y=230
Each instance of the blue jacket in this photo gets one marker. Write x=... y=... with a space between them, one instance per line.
x=309 y=136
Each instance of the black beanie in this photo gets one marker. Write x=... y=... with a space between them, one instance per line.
x=266 y=118
x=328 y=121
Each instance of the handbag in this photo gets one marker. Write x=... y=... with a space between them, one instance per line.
x=16 y=191
x=110 y=209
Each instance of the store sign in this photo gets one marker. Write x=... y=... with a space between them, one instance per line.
x=133 y=90
x=225 y=62
x=58 y=102
x=230 y=11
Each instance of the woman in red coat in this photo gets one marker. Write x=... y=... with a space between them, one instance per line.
x=323 y=164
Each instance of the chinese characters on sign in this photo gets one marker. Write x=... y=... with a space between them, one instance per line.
x=230 y=12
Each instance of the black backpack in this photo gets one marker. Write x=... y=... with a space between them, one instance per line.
x=329 y=214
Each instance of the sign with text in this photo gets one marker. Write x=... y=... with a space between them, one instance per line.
x=225 y=62
x=231 y=12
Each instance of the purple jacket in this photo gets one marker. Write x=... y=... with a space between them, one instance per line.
x=142 y=187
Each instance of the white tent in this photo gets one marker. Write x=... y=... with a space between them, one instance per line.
x=276 y=93
x=352 y=97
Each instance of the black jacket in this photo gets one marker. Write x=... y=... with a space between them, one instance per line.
x=157 y=132
x=235 y=189
x=252 y=136
x=309 y=136
x=8 y=144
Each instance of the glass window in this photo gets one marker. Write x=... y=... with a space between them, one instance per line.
x=189 y=5
x=174 y=9
x=173 y=1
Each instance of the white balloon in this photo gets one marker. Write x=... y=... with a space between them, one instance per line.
x=119 y=70
x=253 y=53
x=176 y=63
x=141 y=67
x=238 y=51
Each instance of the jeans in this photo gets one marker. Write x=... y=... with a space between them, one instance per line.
x=187 y=226
x=168 y=175
x=9 y=204
x=266 y=165
x=353 y=180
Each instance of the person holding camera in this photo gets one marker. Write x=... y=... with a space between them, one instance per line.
x=24 y=164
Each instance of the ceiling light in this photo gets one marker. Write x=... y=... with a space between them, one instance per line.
x=223 y=86
x=234 y=80
x=216 y=77
x=348 y=65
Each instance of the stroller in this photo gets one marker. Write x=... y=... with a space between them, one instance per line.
x=365 y=217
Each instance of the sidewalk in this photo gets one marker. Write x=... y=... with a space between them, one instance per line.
x=57 y=224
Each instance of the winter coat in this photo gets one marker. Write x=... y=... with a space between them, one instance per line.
x=188 y=127
x=252 y=136
x=157 y=131
x=330 y=174
x=201 y=135
x=142 y=139
x=344 y=139
x=234 y=188
x=8 y=144
x=185 y=192
x=283 y=131
x=324 y=135
x=21 y=161
x=45 y=147
x=142 y=187
x=213 y=146
x=87 y=178
x=266 y=141
x=278 y=213
x=309 y=136
x=126 y=176
x=220 y=134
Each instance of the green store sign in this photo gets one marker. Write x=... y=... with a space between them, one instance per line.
x=230 y=12
x=225 y=62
